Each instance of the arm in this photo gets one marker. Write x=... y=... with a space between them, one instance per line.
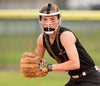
x=68 y=41
x=40 y=50
x=32 y=65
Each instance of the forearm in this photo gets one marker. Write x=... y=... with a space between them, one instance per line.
x=40 y=52
x=66 y=66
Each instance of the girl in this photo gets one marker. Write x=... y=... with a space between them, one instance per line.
x=62 y=44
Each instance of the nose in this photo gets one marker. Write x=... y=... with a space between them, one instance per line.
x=47 y=23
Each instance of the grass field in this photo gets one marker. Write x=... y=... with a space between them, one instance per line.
x=11 y=78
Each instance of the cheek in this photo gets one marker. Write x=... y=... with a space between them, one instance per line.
x=44 y=25
x=50 y=25
x=54 y=25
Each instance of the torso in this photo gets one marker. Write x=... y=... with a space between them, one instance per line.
x=85 y=59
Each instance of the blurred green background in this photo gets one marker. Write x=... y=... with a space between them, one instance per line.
x=15 y=33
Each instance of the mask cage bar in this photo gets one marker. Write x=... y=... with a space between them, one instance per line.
x=51 y=14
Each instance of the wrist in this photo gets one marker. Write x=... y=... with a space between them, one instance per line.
x=49 y=67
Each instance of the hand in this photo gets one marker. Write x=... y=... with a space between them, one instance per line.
x=28 y=54
x=33 y=66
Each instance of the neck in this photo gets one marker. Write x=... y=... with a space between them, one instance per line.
x=52 y=36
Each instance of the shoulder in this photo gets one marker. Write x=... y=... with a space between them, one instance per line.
x=67 y=37
x=62 y=29
x=40 y=37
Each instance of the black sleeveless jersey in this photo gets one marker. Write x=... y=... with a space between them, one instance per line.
x=85 y=59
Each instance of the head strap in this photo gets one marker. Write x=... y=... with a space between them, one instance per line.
x=51 y=14
x=49 y=7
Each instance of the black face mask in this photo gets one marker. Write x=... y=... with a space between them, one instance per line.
x=50 y=29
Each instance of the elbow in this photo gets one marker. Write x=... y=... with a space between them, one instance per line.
x=77 y=66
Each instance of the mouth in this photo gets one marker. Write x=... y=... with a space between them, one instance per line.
x=49 y=29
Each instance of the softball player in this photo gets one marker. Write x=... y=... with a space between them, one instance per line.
x=63 y=45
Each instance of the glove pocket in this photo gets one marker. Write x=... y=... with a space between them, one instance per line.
x=29 y=60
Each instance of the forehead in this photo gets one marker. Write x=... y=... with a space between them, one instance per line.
x=55 y=16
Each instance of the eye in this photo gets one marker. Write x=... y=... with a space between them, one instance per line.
x=45 y=19
x=52 y=19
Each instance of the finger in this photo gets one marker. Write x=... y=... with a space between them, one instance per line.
x=31 y=75
x=30 y=70
x=31 y=66
x=30 y=60
x=27 y=54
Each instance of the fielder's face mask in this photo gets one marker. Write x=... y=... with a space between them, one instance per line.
x=49 y=30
